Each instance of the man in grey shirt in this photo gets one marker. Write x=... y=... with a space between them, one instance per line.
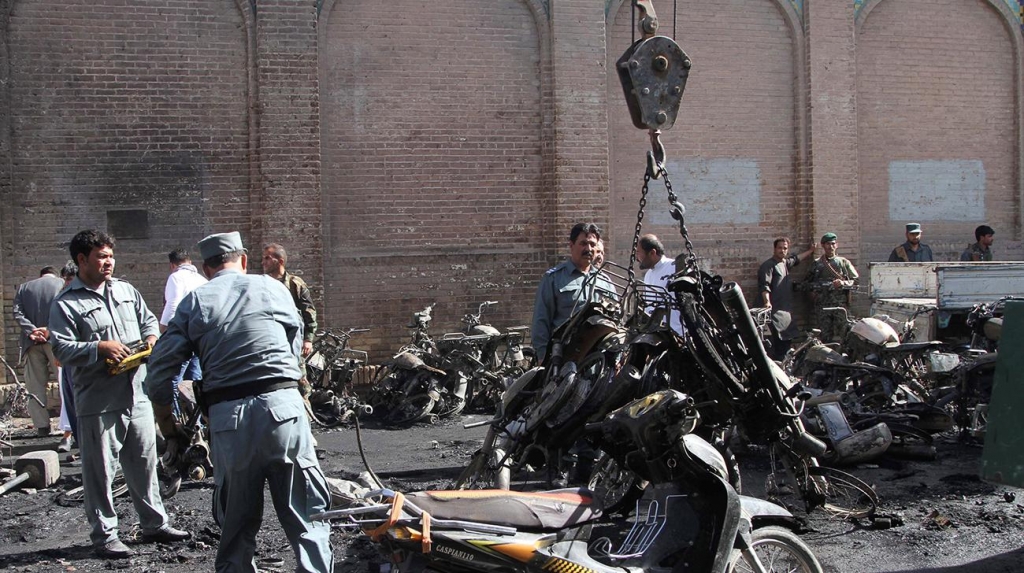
x=32 y=313
x=248 y=336
x=91 y=321
x=561 y=290
x=776 y=290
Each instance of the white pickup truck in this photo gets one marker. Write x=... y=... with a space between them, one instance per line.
x=950 y=289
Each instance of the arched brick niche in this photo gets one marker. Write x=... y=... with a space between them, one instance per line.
x=433 y=160
x=134 y=120
x=737 y=148
x=938 y=115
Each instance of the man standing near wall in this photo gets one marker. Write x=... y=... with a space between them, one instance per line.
x=561 y=287
x=248 y=338
x=831 y=278
x=184 y=278
x=913 y=250
x=274 y=260
x=32 y=313
x=981 y=250
x=651 y=257
x=95 y=319
x=776 y=290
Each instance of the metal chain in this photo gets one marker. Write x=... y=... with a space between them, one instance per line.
x=678 y=213
x=639 y=225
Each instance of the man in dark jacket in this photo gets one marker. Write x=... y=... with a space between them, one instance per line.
x=32 y=313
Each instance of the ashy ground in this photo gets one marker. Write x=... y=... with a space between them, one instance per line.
x=952 y=522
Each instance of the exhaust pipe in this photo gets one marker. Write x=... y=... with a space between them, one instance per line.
x=732 y=297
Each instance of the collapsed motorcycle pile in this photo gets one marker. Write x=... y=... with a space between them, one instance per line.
x=634 y=425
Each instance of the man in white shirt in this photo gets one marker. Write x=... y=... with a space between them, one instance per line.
x=184 y=278
x=651 y=256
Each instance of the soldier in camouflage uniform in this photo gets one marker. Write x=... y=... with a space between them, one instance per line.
x=831 y=279
x=274 y=260
x=981 y=250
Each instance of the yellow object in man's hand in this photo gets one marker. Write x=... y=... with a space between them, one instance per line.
x=140 y=352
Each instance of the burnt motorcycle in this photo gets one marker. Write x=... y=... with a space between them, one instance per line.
x=502 y=358
x=330 y=369
x=970 y=391
x=542 y=414
x=188 y=456
x=689 y=517
x=409 y=387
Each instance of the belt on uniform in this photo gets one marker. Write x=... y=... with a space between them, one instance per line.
x=239 y=391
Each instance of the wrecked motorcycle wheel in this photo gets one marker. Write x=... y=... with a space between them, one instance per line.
x=777 y=550
x=485 y=471
x=910 y=442
x=838 y=493
x=76 y=495
x=169 y=481
x=615 y=487
x=452 y=406
x=412 y=409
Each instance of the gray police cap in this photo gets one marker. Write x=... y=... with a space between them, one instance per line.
x=220 y=243
x=913 y=227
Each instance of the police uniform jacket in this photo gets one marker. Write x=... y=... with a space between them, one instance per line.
x=560 y=290
x=244 y=328
x=80 y=318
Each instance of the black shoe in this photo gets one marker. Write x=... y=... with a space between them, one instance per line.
x=114 y=550
x=166 y=534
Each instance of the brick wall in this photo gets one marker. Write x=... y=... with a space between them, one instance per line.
x=433 y=163
x=736 y=130
x=120 y=107
x=832 y=121
x=439 y=151
x=287 y=206
x=936 y=81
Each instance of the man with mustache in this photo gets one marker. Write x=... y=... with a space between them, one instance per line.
x=92 y=320
x=561 y=287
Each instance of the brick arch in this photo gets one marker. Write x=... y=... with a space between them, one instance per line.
x=933 y=116
x=109 y=110
x=435 y=169
x=741 y=119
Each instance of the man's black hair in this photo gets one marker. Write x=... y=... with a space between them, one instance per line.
x=781 y=240
x=223 y=258
x=588 y=228
x=651 y=243
x=179 y=256
x=85 y=241
x=48 y=270
x=69 y=270
x=983 y=230
x=279 y=252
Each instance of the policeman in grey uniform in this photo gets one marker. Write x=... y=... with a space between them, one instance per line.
x=92 y=320
x=248 y=336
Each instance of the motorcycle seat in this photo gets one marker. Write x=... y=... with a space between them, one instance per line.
x=547 y=510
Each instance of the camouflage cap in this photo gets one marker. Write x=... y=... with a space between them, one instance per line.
x=829 y=237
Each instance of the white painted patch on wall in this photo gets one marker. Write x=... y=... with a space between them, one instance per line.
x=952 y=190
x=720 y=190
